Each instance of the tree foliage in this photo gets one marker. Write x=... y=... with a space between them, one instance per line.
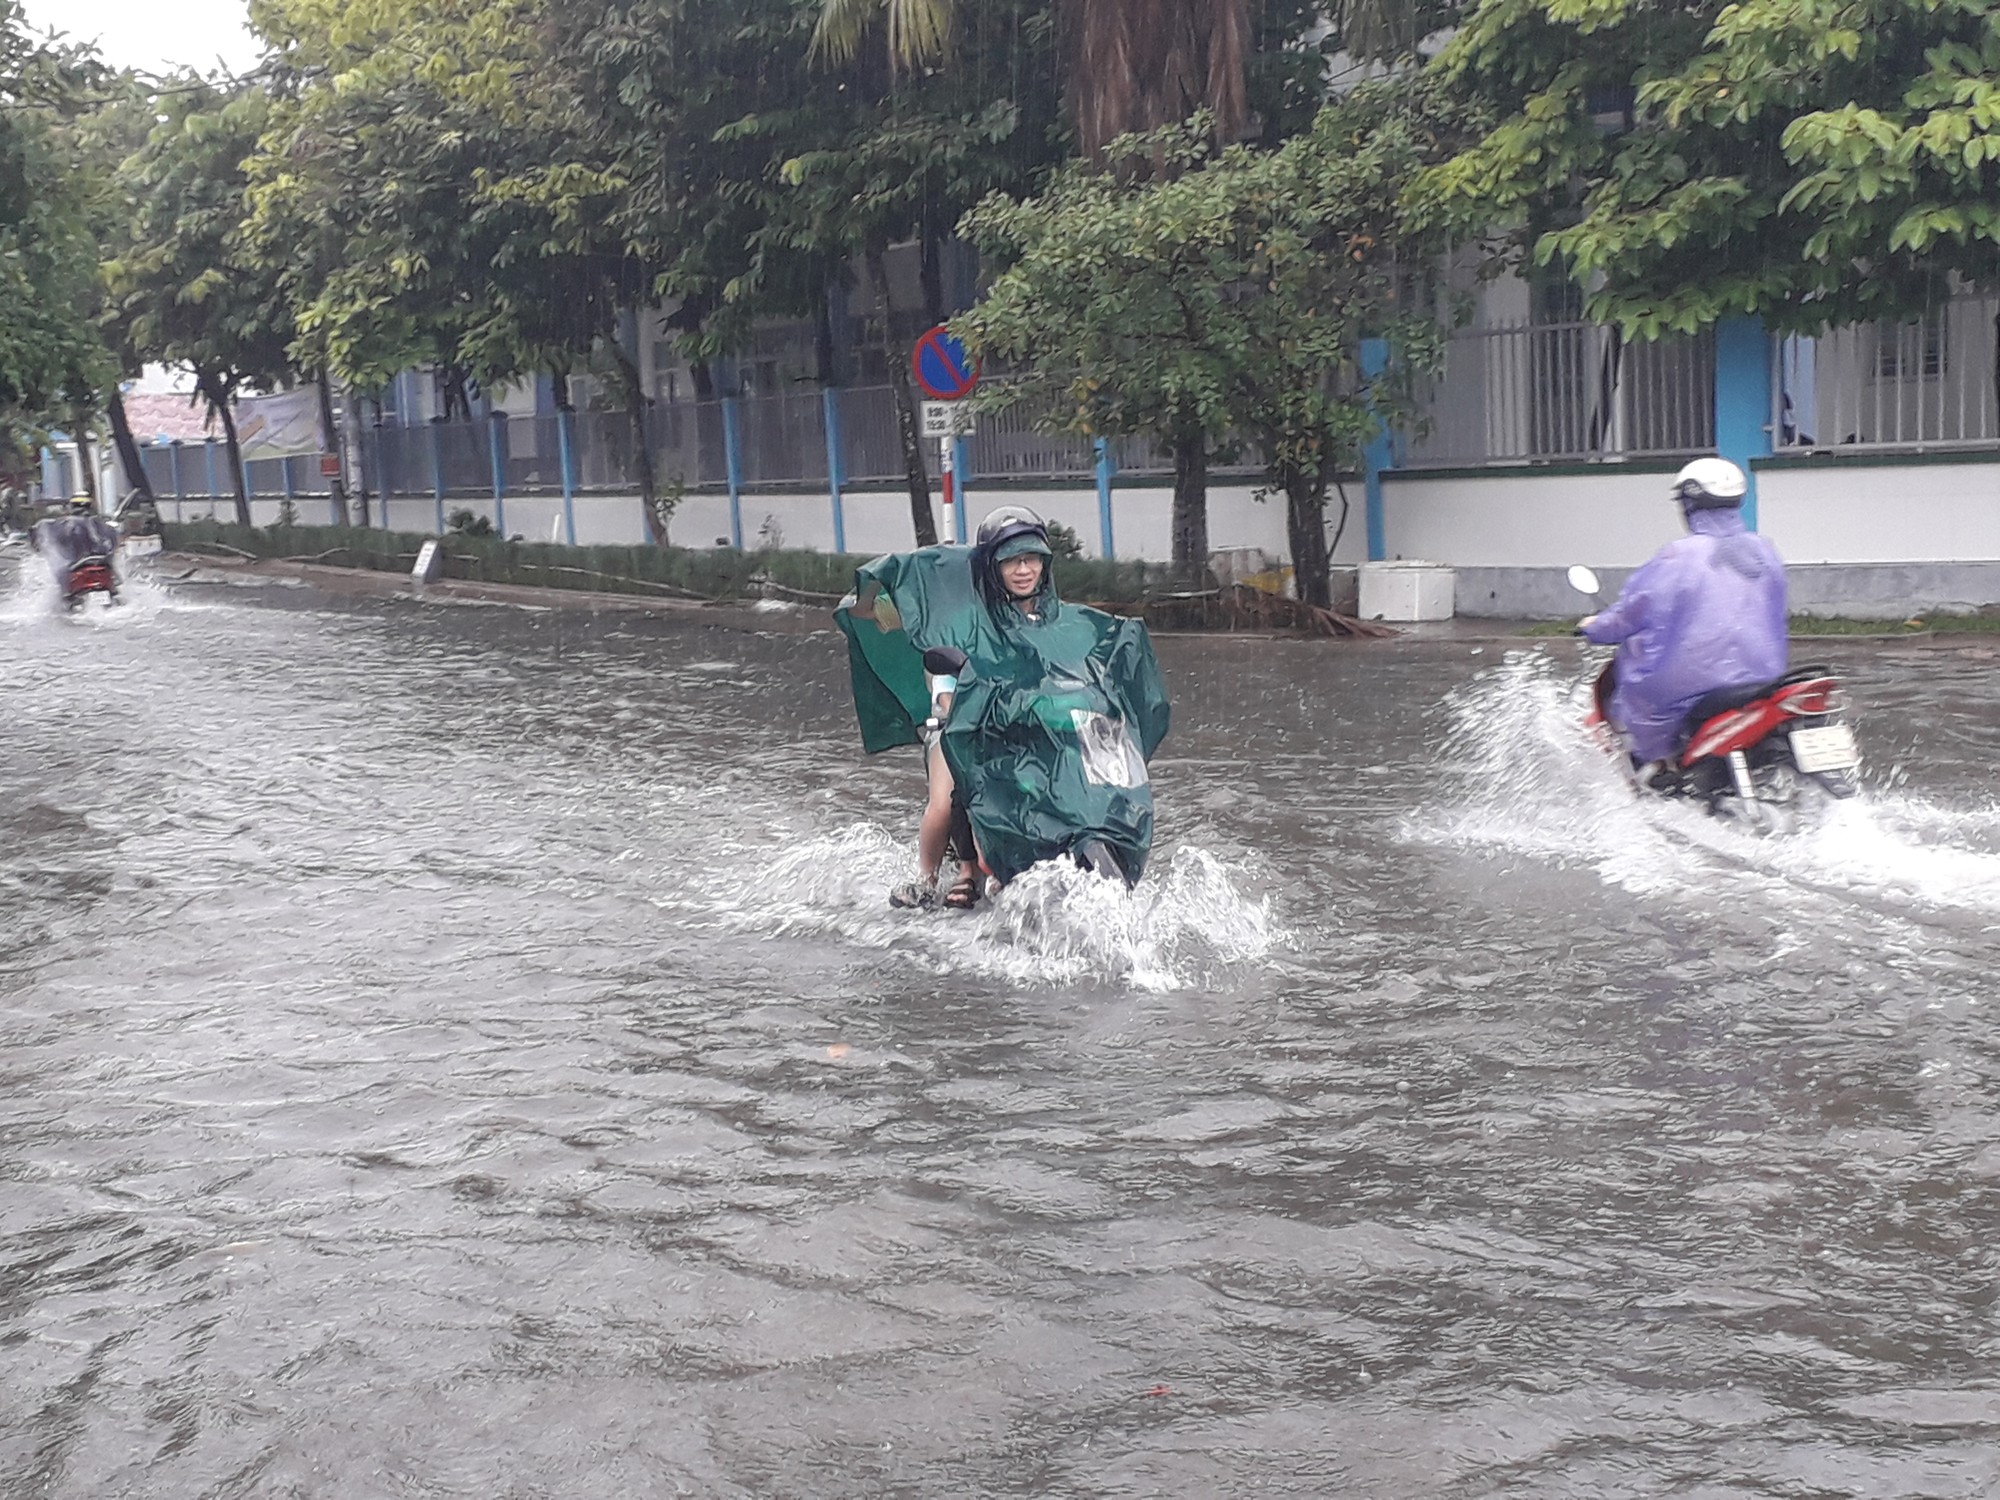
x=183 y=288
x=1808 y=161
x=52 y=363
x=1233 y=294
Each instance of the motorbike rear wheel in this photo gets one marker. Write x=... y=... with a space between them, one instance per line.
x=1095 y=856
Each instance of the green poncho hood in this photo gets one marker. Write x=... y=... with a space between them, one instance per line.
x=1055 y=717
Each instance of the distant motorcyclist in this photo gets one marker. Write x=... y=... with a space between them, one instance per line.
x=1708 y=611
x=81 y=533
x=70 y=539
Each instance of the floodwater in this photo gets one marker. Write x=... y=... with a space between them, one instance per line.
x=465 y=1052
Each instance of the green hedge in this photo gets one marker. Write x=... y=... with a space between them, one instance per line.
x=703 y=573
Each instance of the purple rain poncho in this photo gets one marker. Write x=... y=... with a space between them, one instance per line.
x=1707 y=612
x=66 y=539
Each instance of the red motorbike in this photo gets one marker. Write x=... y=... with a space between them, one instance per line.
x=1759 y=753
x=1752 y=752
x=87 y=576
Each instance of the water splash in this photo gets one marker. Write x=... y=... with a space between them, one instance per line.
x=1055 y=923
x=1523 y=773
x=35 y=597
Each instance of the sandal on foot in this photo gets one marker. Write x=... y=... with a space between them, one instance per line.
x=964 y=893
x=913 y=896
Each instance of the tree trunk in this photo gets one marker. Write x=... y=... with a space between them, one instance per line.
x=922 y=523
x=930 y=270
x=642 y=450
x=358 y=458
x=329 y=442
x=128 y=449
x=217 y=396
x=86 y=471
x=1190 y=517
x=454 y=388
x=1305 y=526
x=825 y=364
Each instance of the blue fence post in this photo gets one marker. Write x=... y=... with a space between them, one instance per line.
x=437 y=471
x=285 y=469
x=1378 y=457
x=1107 y=469
x=566 y=441
x=836 y=475
x=1743 y=357
x=496 y=440
x=732 y=458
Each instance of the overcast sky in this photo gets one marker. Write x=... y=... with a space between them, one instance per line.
x=154 y=34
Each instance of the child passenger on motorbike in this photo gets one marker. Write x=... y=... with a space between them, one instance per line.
x=1707 y=611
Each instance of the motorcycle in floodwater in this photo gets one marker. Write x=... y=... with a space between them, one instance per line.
x=1762 y=754
x=87 y=576
x=1066 y=745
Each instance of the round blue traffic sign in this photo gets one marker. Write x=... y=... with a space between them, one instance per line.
x=942 y=366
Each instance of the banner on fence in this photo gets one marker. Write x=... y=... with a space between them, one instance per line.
x=279 y=426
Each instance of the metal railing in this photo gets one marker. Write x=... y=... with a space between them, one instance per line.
x=1507 y=395
x=1554 y=392
x=1921 y=386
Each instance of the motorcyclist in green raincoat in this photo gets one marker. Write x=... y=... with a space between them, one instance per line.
x=1054 y=712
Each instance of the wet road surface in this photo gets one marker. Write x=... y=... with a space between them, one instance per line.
x=465 y=1052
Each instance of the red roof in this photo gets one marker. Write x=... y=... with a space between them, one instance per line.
x=168 y=418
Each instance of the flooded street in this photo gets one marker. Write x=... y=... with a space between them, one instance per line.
x=461 y=1051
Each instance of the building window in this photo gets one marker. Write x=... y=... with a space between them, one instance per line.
x=1907 y=350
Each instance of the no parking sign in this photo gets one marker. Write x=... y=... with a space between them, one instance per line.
x=942 y=366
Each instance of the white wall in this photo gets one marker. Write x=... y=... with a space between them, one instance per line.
x=1525 y=520
x=878 y=521
x=1882 y=513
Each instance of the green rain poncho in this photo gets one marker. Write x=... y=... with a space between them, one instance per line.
x=1054 y=719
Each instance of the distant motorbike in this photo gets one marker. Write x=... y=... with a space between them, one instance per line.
x=87 y=576
x=1759 y=754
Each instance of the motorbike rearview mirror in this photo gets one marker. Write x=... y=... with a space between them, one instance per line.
x=944 y=661
x=1583 y=580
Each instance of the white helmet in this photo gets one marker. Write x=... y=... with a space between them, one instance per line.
x=1711 y=484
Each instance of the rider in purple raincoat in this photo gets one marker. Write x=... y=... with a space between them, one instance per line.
x=1707 y=612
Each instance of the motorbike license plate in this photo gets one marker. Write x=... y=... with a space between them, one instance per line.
x=1829 y=748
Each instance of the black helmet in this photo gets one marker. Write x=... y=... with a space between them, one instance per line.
x=83 y=505
x=1012 y=530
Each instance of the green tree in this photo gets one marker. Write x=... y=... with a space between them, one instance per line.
x=757 y=177
x=183 y=288
x=122 y=115
x=52 y=362
x=429 y=155
x=1228 y=296
x=1808 y=161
